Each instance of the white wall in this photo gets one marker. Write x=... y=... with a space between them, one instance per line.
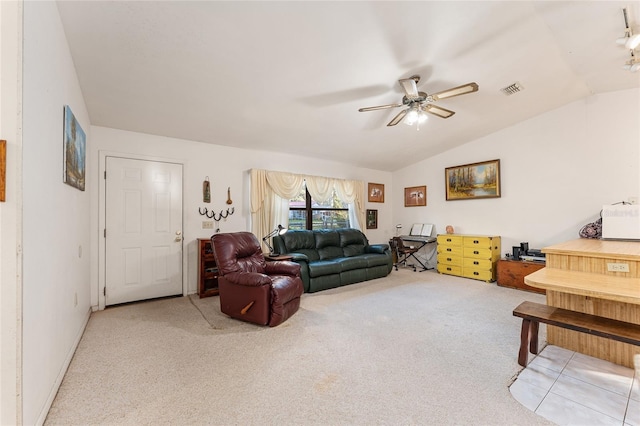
x=56 y=216
x=557 y=170
x=10 y=211
x=225 y=167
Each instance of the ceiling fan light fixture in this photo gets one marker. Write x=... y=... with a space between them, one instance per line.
x=632 y=42
x=420 y=103
x=414 y=116
x=622 y=41
x=411 y=117
x=632 y=65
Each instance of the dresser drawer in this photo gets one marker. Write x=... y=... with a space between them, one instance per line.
x=478 y=274
x=477 y=253
x=469 y=256
x=476 y=241
x=449 y=259
x=449 y=269
x=450 y=240
x=480 y=264
x=450 y=250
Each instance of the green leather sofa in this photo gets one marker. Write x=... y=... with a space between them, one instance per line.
x=334 y=258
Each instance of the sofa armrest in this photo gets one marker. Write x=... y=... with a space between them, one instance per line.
x=282 y=267
x=249 y=279
x=298 y=257
x=377 y=248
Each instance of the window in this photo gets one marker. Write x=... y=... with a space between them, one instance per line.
x=306 y=213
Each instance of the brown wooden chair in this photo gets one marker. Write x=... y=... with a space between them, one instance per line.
x=403 y=253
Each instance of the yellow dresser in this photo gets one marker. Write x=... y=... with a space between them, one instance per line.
x=469 y=256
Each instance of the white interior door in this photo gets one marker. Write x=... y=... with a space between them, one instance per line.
x=143 y=230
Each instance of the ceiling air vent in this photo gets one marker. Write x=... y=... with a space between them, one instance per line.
x=511 y=89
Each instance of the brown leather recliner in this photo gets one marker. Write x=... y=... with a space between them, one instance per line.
x=252 y=289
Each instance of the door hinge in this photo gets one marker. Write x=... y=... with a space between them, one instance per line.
x=105 y=233
x=105 y=174
x=104 y=291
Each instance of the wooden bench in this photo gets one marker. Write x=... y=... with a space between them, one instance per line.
x=533 y=314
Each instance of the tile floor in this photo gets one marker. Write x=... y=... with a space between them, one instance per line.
x=569 y=388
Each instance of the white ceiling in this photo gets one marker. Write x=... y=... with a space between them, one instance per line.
x=290 y=76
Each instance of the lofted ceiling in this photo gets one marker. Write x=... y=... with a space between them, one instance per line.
x=291 y=76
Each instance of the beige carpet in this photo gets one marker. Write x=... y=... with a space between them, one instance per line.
x=412 y=348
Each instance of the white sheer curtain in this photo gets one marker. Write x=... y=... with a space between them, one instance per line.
x=352 y=192
x=271 y=192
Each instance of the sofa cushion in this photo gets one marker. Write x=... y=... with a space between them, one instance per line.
x=349 y=263
x=374 y=259
x=352 y=241
x=301 y=242
x=323 y=267
x=328 y=244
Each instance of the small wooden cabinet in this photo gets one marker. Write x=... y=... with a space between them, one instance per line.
x=469 y=256
x=511 y=273
x=207 y=269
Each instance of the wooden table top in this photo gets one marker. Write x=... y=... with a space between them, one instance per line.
x=597 y=248
x=620 y=289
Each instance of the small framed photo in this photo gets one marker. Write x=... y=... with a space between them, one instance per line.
x=415 y=196
x=376 y=192
x=372 y=219
x=476 y=180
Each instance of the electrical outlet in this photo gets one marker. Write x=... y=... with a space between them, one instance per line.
x=207 y=224
x=618 y=267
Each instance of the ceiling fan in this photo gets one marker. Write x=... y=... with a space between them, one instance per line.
x=419 y=102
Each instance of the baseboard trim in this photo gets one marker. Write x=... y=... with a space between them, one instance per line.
x=56 y=385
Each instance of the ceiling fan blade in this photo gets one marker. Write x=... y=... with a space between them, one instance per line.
x=439 y=111
x=398 y=118
x=373 y=108
x=410 y=87
x=456 y=91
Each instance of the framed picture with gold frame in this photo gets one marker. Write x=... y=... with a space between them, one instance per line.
x=376 y=192
x=372 y=219
x=415 y=196
x=3 y=169
x=475 y=180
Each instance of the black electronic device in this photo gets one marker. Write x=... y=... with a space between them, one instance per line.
x=516 y=252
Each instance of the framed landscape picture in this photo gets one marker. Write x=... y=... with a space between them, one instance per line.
x=476 y=180
x=372 y=219
x=415 y=196
x=376 y=192
x=74 y=150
